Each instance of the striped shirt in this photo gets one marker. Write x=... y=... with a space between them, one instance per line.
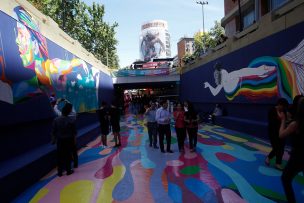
x=162 y=116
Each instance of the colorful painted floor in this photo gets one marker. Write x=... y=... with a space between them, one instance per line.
x=227 y=167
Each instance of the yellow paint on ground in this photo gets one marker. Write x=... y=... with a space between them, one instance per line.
x=230 y=137
x=259 y=147
x=203 y=136
x=78 y=191
x=228 y=147
x=105 y=195
x=39 y=195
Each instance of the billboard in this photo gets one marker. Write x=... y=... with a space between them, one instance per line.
x=154 y=40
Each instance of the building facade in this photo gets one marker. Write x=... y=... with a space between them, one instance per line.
x=240 y=14
x=185 y=46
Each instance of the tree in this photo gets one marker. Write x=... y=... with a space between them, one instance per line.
x=217 y=32
x=86 y=25
x=209 y=39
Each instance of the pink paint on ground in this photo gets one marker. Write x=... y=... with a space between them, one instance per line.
x=225 y=157
x=210 y=141
x=142 y=191
x=189 y=155
x=84 y=172
x=230 y=196
x=107 y=169
x=175 y=163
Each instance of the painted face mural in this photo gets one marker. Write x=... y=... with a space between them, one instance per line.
x=69 y=79
x=264 y=77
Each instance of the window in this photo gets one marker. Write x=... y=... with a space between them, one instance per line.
x=277 y=3
x=249 y=18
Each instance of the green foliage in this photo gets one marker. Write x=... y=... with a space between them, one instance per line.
x=188 y=58
x=85 y=24
x=208 y=39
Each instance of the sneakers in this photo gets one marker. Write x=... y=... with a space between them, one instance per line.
x=156 y=147
x=169 y=151
x=70 y=172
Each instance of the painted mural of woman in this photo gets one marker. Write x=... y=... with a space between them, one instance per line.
x=72 y=79
x=264 y=77
x=232 y=81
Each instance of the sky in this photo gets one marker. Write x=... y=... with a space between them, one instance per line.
x=184 y=19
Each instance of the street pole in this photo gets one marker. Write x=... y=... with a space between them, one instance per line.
x=203 y=3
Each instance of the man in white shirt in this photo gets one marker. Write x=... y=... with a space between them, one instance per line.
x=163 y=120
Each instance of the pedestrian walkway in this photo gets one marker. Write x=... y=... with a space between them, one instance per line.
x=227 y=167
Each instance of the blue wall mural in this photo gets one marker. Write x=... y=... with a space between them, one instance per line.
x=258 y=73
x=34 y=69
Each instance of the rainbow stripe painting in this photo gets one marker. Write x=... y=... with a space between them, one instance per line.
x=228 y=166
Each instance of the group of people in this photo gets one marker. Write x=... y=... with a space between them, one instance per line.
x=64 y=131
x=109 y=117
x=158 y=124
x=284 y=121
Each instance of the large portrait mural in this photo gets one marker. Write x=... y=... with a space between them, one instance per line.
x=42 y=72
x=264 y=77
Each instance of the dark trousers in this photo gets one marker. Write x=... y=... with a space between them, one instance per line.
x=192 y=132
x=162 y=131
x=152 y=131
x=294 y=166
x=277 y=151
x=181 y=136
x=64 y=154
x=75 y=155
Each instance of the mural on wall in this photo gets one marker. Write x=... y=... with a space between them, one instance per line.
x=6 y=93
x=264 y=77
x=70 y=79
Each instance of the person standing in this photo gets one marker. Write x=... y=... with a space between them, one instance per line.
x=274 y=124
x=103 y=116
x=72 y=115
x=295 y=163
x=179 y=117
x=152 y=124
x=163 y=120
x=64 y=132
x=114 y=120
x=191 y=121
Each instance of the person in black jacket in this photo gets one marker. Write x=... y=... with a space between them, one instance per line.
x=295 y=164
x=274 y=123
x=64 y=132
x=103 y=116
x=114 y=120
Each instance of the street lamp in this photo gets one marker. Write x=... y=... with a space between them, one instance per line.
x=203 y=3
